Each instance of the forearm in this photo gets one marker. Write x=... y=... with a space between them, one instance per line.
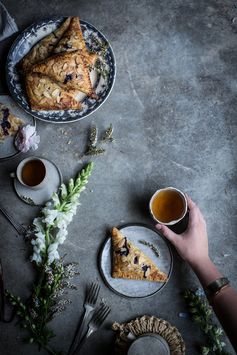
x=225 y=303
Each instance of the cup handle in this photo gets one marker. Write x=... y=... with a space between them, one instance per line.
x=13 y=175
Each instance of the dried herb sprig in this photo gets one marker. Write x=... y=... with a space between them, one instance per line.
x=108 y=135
x=202 y=314
x=102 y=69
x=93 y=136
x=92 y=148
x=94 y=151
x=101 y=45
x=153 y=247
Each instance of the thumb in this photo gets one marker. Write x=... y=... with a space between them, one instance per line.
x=167 y=233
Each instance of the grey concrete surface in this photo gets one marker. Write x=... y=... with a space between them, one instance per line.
x=173 y=108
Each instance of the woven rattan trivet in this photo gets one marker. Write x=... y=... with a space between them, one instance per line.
x=148 y=324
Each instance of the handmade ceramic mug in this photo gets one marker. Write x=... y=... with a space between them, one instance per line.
x=32 y=173
x=168 y=206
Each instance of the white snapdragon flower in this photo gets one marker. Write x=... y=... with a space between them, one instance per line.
x=55 y=222
x=61 y=222
x=37 y=258
x=64 y=218
x=38 y=245
x=53 y=253
x=50 y=216
x=60 y=239
x=38 y=224
x=61 y=236
x=55 y=199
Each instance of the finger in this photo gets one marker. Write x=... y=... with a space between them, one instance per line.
x=190 y=202
x=167 y=233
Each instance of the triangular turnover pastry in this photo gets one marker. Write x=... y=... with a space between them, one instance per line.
x=129 y=262
x=44 y=47
x=72 y=40
x=68 y=70
x=45 y=94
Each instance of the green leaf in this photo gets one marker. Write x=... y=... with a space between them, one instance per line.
x=205 y=350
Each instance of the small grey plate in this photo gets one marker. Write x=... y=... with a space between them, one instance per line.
x=40 y=197
x=7 y=147
x=137 y=288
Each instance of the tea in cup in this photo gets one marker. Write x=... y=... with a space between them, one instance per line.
x=31 y=172
x=168 y=206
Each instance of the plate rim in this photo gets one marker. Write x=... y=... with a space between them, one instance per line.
x=102 y=272
x=19 y=152
x=68 y=119
x=38 y=205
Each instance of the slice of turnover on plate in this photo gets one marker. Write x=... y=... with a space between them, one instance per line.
x=45 y=94
x=9 y=123
x=73 y=39
x=129 y=262
x=68 y=70
x=44 y=47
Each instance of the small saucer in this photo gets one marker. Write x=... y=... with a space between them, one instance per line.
x=40 y=197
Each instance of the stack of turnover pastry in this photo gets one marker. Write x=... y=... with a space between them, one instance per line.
x=57 y=69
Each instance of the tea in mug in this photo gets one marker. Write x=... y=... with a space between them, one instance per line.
x=33 y=172
x=168 y=205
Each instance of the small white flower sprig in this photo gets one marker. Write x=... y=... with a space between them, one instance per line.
x=51 y=227
x=50 y=230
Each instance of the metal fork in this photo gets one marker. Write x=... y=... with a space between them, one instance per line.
x=96 y=321
x=89 y=306
x=17 y=226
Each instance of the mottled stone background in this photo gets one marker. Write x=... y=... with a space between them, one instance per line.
x=173 y=108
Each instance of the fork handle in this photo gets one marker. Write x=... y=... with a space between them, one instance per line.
x=82 y=341
x=79 y=332
x=10 y=219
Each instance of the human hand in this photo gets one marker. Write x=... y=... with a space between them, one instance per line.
x=192 y=245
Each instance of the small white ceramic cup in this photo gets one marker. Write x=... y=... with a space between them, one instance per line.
x=19 y=170
x=185 y=206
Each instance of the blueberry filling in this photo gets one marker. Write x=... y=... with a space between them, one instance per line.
x=124 y=249
x=67 y=45
x=145 y=268
x=68 y=77
x=135 y=260
x=6 y=125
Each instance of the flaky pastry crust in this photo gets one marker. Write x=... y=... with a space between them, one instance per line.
x=129 y=262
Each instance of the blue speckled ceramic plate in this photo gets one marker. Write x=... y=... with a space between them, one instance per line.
x=137 y=288
x=28 y=38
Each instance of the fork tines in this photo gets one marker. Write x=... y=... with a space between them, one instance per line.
x=92 y=294
x=100 y=316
